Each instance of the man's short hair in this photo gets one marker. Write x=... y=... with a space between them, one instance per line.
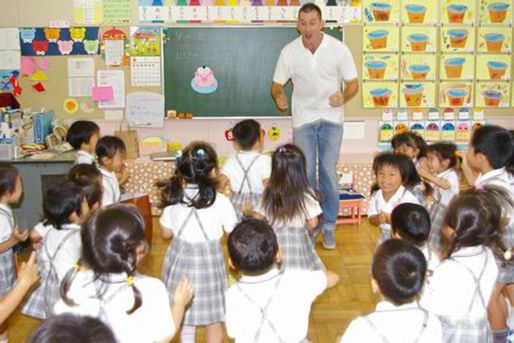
x=309 y=7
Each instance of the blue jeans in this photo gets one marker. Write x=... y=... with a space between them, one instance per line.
x=322 y=138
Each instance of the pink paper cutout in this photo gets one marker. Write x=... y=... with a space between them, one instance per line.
x=28 y=65
x=102 y=93
x=43 y=63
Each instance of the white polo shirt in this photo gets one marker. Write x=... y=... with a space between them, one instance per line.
x=111 y=188
x=83 y=157
x=259 y=171
x=399 y=324
x=312 y=209
x=151 y=322
x=288 y=311
x=446 y=195
x=6 y=222
x=315 y=78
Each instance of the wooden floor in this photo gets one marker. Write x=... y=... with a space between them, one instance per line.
x=332 y=311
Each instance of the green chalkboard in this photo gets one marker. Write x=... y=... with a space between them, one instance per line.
x=242 y=59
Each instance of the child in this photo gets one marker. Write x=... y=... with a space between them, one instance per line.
x=292 y=209
x=65 y=209
x=267 y=304
x=411 y=222
x=110 y=151
x=489 y=160
x=83 y=136
x=196 y=216
x=105 y=283
x=460 y=288
x=71 y=328
x=443 y=159
x=412 y=145
x=11 y=189
x=395 y=177
x=249 y=170
x=90 y=180
x=398 y=273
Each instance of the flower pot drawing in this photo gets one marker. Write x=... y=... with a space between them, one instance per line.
x=458 y=38
x=416 y=13
x=381 y=96
x=413 y=94
x=419 y=71
x=496 y=69
x=376 y=69
x=378 y=39
x=381 y=11
x=457 y=96
x=453 y=67
x=418 y=42
x=494 y=41
x=456 y=13
x=497 y=11
x=492 y=98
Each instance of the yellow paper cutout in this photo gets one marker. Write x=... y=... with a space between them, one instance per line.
x=39 y=76
x=70 y=105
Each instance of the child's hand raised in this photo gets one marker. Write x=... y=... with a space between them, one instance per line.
x=20 y=234
x=28 y=272
x=183 y=293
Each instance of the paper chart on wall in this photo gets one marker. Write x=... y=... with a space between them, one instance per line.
x=145 y=109
x=114 y=50
x=87 y=12
x=145 y=70
x=10 y=59
x=9 y=39
x=80 y=86
x=81 y=67
x=115 y=79
x=116 y=11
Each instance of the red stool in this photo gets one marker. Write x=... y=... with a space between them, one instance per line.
x=352 y=201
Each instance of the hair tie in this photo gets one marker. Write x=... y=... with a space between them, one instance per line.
x=479 y=189
x=130 y=280
x=200 y=152
x=507 y=255
x=457 y=153
x=178 y=154
x=282 y=149
x=76 y=267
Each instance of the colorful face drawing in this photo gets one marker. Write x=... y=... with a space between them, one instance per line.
x=28 y=35
x=78 y=33
x=65 y=46
x=91 y=46
x=40 y=47
x=52 y=33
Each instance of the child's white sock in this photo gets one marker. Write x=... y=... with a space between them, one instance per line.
x=188 y=334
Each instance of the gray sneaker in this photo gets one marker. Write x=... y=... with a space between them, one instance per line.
x=329 y=240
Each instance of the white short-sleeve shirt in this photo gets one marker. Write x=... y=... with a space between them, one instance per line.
x=6 y=222
x=446 y=195
x=83 y=157
x=259 y=171
x=449 y=291
x=315 y=78
x=152 y=322
x=432 y=258
x=312 y=209
x=68 y=254
x=399 y=324
x=218 y=217
x=111 y=188
x=378 y=203
x=288 y=311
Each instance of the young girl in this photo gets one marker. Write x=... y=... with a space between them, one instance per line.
x=106 y=285
x=415 y=147
x=398 y=272
x=291 y=207
x=196 y=216
x=10 y=192
x=110 y=151
x=489 y=160
x=89 y=179
x=460 y=288
x=65 y=209
x=443 y=159
x=395 y=176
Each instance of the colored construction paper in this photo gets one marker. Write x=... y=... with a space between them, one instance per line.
x=70 y=105
x=43 y=63
x=102 y=93
x=116 y=11
x=39 y=75
x=28 y=65
x=48 y=41
x=39 y=87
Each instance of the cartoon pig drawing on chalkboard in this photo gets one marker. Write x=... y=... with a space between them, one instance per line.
x=78 y=33
x=40 y=47
x=65 y=46
x=27 y=35
x=52 y=34
x=91 y=46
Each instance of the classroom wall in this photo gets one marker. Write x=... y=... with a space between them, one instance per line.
x=357 y=147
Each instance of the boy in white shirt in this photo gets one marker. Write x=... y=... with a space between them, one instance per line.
x=249 y=170
x=83 y=136
x=411 y=222
x=267 y=304
x=398 y=272
x=110 y=151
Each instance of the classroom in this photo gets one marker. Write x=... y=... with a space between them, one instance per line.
x=156 y=76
